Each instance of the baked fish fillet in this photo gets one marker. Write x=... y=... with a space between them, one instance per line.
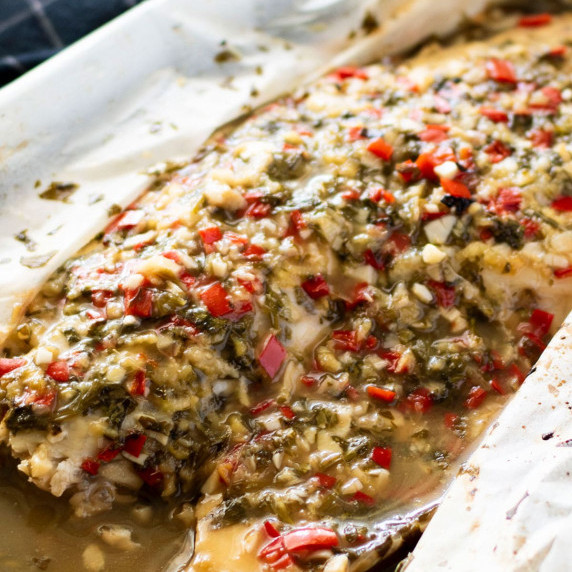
x=304 y=327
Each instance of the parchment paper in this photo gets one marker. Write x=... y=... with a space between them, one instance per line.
x=511 y=506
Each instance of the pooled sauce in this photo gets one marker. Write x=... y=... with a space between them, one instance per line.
x=40 y=532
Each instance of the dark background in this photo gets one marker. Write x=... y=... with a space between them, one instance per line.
x=33 y=30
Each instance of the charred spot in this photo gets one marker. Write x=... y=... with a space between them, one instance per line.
x=24 y=418
x=458 y=204
x=509 y=232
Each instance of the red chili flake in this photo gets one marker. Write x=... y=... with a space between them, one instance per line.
x=326 y=481
x=541 y=321
x=380 y=148
x=356 y=133
x=346 y=340
x=272 y=356
x=297 y=219
x=426 y=162
x=541 y=138
x=287 y=411
x=300 y=540
x=138 y=302
x=497 y=151
x=444 y=293
x=485 y=234
x=434 y=133
x=563 y=272
x=308 y=381
x=151 y=476
x=251 y=286
x=534 y=20
x=99 y=298
x=10 y=364
x=240 y=308
x=382 y=456
x=419 y=401
x=426 y=216
x=262 y=406
x=90 y=466
x=258 y=210
x=216 y=300
x=270 y=529
x=109 y=453
x=397 y=243
x=46 y=399
x=316 y=287
x=177 y=322
x=351 y=195
x=497 y=386
x=235 y=238
x=362 y=498
x=59 y=371
x=371 y=343
x=374 y=259
x=408 y=171
x=349 y=71
x=173 y=255
x=531 y=227
x=361 y=294
x=385 y=395
x=253 y=252
x=557 y=52
x=209 y=236
x=187 y=279
x=451 y=420
x=496 y=115
x=139 y=383
x=562 y=204
x=134 y=444
x=535 y=341
x=393 y=358
x=508 y=199
x=476 y=397
x=455 y=188
x=517 y=373
x=554 y=99
x=497 y=360
x=501 y=70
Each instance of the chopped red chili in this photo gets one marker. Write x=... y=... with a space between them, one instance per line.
x=476 y=396
x=272 y=356
x=380 y=148
x=385 y=395
x=316 y=287
x=10 y=364
x=562 y=204
x=134 y=444
x=216 y=300
x=501 y=71
x=59 y=371
x=138 y=302
x=326 y=481
x=496 y=115
x=535 y=20
x=382 y=456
